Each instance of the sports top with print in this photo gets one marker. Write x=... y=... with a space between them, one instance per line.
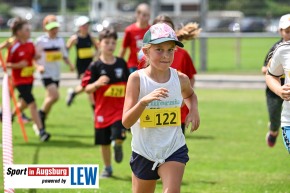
x=157 y=134
x=52 y=53
x=109 y=98
x=18 y=52
x=280 y=64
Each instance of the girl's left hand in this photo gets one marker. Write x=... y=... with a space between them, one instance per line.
x=193 y=118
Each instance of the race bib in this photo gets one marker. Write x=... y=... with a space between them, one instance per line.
x=27 y=71
x=115 y=91
x=85 y=53
x=160 y=117
x=53 y=56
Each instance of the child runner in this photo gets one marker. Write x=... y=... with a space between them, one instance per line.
x=20 y=60
x=134 y=34
x=182 y=63
x=6 y=44
x=274 y=102
x=107 y=78
x=53 y=50
x=153 y=100
x=279 y=65
x=86 y=46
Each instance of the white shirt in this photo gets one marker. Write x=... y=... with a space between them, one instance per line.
x=158 y=143
x=52 y=53
x=280 y=64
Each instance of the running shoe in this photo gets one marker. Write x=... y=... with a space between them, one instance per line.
x=70 y=96
x=118 y=153
x=271 y=139
x=106 y=174
x=44 y=136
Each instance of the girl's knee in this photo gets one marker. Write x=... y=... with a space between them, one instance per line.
x=171 y=189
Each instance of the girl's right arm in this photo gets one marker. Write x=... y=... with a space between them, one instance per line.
x=132 y=107
x=274 y=83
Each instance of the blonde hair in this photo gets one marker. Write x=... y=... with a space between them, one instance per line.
x=146 y=47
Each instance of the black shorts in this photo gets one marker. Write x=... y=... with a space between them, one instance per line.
x=105 y=136
x=48 y=81
x=142 y=167
x=25 y=92
x=82 y=66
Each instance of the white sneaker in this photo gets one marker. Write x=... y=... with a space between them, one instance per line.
x=70 y=96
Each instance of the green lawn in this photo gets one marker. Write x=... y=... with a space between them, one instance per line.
x=228 y=154
x=222 y=54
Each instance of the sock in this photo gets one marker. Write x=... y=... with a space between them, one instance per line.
x=109 y=168
x=42 y=113
x=41 y=131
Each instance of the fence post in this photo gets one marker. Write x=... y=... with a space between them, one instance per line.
x=155 y=8
x=203 y=40
x=238 y=50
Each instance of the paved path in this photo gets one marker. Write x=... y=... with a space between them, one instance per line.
x=220 y=81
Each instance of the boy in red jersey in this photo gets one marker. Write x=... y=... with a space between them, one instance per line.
x=134 y=34
x=107 y=79
x=20 y=60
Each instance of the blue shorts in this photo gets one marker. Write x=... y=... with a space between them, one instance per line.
x=286 y=137
x=142 y=167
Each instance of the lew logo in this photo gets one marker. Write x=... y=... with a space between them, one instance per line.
x=51 y=176
x=83 y=175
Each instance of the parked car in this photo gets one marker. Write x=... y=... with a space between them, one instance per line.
x=253 y=24
x=273 y=25
x=118 y=24
x=219 y=24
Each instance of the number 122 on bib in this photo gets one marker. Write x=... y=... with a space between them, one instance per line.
x=160 y=117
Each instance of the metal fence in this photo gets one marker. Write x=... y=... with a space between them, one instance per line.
x=221 y=52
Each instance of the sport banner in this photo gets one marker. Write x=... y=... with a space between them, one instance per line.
x=51 y=176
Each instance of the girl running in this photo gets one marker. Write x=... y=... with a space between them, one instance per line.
x=182 y=61
x=86 y=46
x=53 y=50
x=153 y=100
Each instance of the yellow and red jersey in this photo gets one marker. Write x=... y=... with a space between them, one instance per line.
x=18 y=52
x=109 y=98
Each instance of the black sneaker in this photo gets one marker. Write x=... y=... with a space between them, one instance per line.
x=44 y=136
x=106 y=174
x=118 y=153
x=271 y=139
x=25 y=119
x=70 y=96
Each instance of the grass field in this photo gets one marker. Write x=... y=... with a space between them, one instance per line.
x=228 y=154
x=222 y=54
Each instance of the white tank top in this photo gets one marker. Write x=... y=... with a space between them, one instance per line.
x=158 y=143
